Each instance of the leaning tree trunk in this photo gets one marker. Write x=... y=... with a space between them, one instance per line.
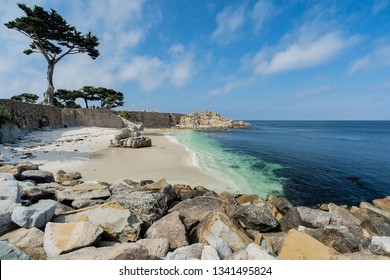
x=48 y=98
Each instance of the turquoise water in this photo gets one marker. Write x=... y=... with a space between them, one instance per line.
x=308 y=162
x=242 y=173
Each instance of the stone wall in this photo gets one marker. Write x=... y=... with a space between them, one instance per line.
x=153 y=119
x=29 y=117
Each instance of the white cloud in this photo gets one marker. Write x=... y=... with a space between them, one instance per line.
x=300 y=55
x=152 y=72
x=263 y=10
x=229 y=22
x=230 y=85
x=379 y=57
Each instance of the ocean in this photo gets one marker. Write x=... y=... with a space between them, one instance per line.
x=308 y=162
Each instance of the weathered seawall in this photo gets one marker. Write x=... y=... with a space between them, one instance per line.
x=29 y=117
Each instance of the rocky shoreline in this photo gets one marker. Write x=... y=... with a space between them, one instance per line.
x=209 y=120
x=43 y=216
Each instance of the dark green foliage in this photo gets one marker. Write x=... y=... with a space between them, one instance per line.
x=26 y=97
x=54 y=38
x=66 y=98
x=108 y=98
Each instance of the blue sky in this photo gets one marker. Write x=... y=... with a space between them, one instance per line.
x=260 y=59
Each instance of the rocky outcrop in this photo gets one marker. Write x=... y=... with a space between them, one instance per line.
x=155 y=220
x=131 y=137
x=209 y=120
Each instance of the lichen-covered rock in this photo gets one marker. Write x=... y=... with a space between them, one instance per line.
x=171 y=228
x=315 y=218
x=36 y=215
x=118 y=223
x=148 y=206
x=61 y=238
x=84 y=203
x=255 y=217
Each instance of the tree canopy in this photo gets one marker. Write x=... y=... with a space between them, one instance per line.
x=54 y=38
x=107 y=98
x=26 y=97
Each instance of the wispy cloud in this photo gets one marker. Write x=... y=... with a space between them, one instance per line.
x=262 y=11
x=379 y=57
x=229 y=22
x=230 y=85
x=302 y=54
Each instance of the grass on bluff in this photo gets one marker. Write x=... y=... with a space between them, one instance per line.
x=4 y=115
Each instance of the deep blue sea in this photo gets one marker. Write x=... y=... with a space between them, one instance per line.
x=308 y=162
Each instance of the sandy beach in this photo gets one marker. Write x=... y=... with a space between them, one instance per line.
x=85 y=149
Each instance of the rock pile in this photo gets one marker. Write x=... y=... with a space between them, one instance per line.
x=209 y=120
x=69 y=219
x=131 y=137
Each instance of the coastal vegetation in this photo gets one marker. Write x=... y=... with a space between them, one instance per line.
x=4 y=114
x=106 y=98
x=26 y=97
x=54 y=38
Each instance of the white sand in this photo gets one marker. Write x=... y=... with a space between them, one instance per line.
x=85 y=149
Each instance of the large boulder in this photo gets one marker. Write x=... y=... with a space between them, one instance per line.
x=315 y=218
x=125 y=251
x=61 y=238
x=380 y=245
x=348 y=219
x=9 y=190
x=291 y=220
x=63 y=176
x=209 y=253
x=6 y=209
x=255 y=217
x=171 y=228
x=38 y=192
x=231 y=204
x=190 y=252
x=29 y=241
x=8 y=251
x=85 y=191
x=383 y=203
x=220 y=245
x=118 y=223
x=148 y=206
x=381 y=211
x=39 y=176
x=301 y=246
x=282 y=205
x=219 y=224
x=252 y=252
x=158 y=248
x=36 y=215
x=162 y=187
x=195 y=210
